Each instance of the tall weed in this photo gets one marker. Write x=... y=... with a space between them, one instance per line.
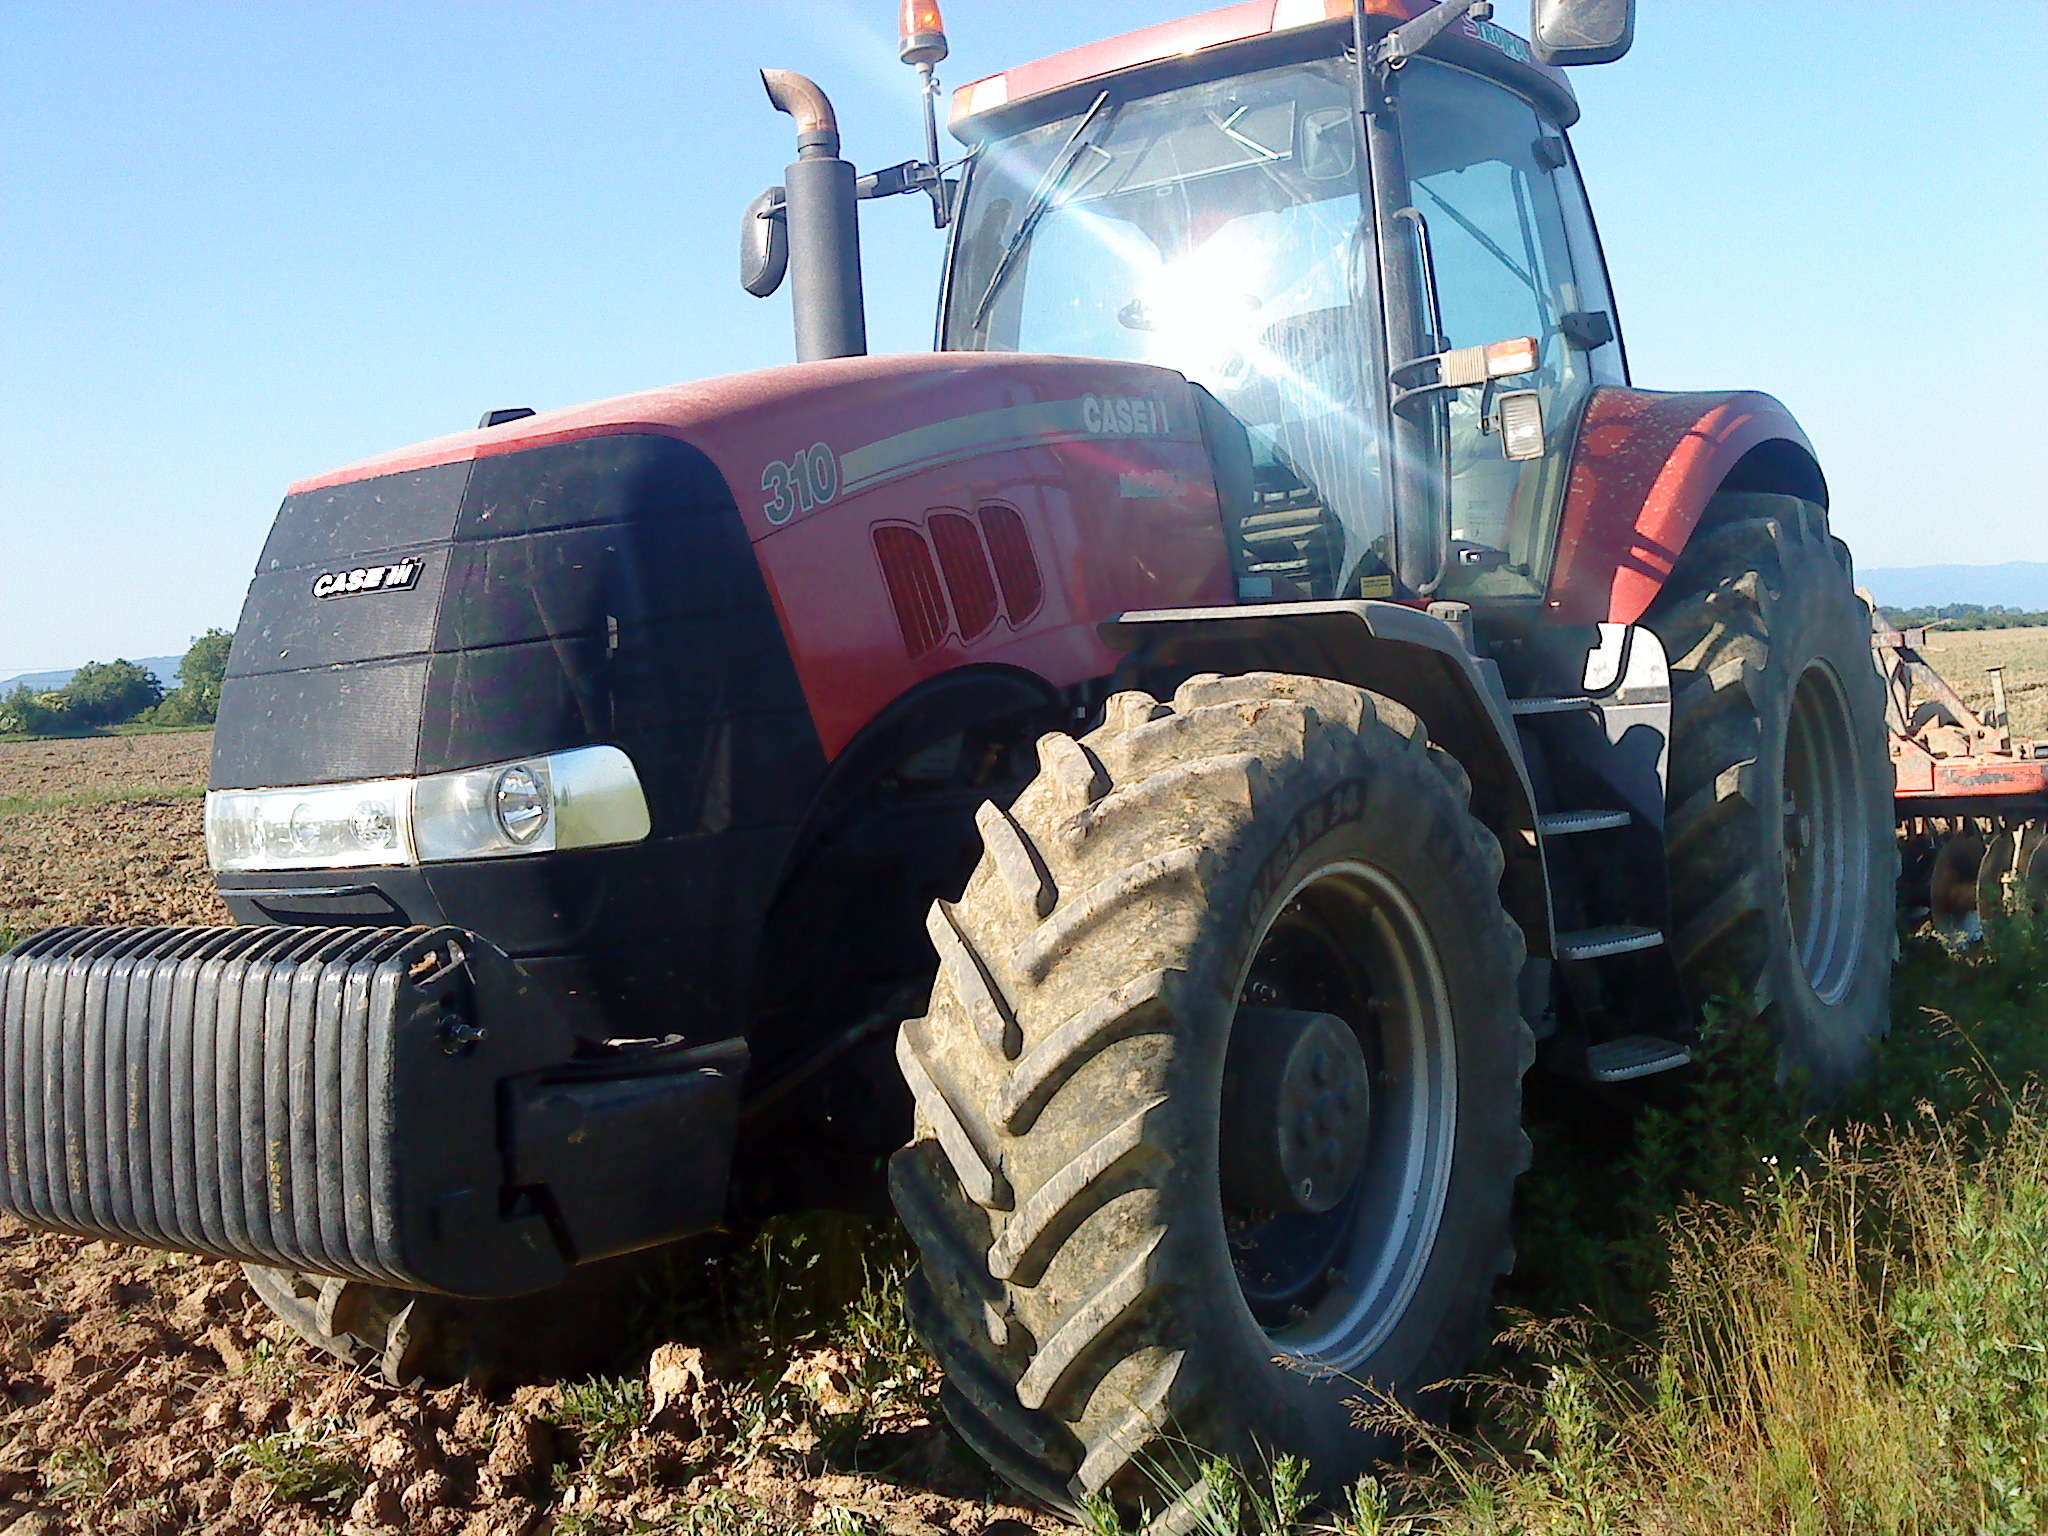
x=1859 y=1348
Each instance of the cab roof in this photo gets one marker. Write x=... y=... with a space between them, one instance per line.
x=990 y=104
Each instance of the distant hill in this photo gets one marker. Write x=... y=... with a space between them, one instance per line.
x=165 y=668
x=2019 y=584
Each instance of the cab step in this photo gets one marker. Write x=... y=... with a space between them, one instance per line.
x=1550 y=706
x=1599 y=943
x=1564 y=823
x=1634 y=1056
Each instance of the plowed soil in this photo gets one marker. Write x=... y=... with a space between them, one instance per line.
x=152 y=1393
x=104 y=830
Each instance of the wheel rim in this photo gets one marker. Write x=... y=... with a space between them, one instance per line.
x=1328 y=1288
x=1826 y=838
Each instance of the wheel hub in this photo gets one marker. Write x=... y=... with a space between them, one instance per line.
x=1297 y=1111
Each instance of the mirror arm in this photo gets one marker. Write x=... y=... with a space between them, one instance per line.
x=1411 y=37
x=910 y=176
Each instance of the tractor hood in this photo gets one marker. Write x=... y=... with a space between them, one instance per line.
x=734 y=418
x=501 y=592
x=658 y=576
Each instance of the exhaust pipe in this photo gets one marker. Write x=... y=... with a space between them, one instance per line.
x=824 y=226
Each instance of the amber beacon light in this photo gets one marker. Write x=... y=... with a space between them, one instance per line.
x=921 y=33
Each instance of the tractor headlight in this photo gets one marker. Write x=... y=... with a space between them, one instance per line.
x=587 y=798
x=328 y=826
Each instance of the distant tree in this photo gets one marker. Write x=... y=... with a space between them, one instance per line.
x=24 y=711
x=1966 y=616
x=109 y=693
x=196 y=699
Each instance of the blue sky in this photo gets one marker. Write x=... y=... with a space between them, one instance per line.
x=241 y=243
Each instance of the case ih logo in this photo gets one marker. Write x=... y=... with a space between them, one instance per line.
x=1123 y=415
x=369 y=578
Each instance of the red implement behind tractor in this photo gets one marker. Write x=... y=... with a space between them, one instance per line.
x=1153 y=774
x=1970 y=796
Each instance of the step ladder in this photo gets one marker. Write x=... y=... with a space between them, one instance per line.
x=1631 y=1056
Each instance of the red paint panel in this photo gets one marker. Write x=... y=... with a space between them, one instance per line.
x=1912 y=770
x=1989 y=776
x=963 y=562
x=1643 y=468
x=1098 y=551
x=679 y=410
x=1009 y=543
x=1168 y=40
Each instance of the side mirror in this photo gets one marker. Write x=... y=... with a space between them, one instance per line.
x=1581 y=31
x=764 y=244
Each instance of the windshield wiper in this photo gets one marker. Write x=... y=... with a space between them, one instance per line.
x=1040 y=202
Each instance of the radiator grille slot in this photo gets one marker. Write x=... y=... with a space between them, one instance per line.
x=1009 y=543
x=965 y=566
x=913 y=583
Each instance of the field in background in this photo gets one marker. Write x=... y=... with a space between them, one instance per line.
x=104 y=830
x=1962 y=655
x=1725 y=1321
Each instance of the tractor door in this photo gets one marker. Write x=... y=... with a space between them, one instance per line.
x=1513 y=253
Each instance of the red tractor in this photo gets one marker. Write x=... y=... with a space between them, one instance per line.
x=1153 y=773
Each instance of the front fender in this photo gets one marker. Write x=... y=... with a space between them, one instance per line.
x=1643 y=469
x=1389 y=649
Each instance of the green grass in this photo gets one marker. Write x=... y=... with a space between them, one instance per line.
x=79 y=1474
x=28 y=805
x=96 y=733
x=311 y=1464
x=815 y=1280
x=603 y=1413
x=1857 y=1347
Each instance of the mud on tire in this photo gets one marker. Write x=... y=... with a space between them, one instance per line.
x=1103 y=1304
x=1780 y=831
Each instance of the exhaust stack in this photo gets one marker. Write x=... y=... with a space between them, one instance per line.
x=824 y=226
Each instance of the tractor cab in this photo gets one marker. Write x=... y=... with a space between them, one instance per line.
x=1218 y=214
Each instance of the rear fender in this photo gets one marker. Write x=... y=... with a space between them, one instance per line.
x=1407 y=656
x=1643 y=469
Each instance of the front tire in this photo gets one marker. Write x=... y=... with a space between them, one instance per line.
x=410 y=1337
x=1189 y=943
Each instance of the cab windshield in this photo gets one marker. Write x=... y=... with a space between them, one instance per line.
x=1215 y=230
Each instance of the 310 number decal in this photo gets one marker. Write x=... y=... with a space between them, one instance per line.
x=810 y=479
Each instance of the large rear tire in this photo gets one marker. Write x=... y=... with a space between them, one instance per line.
x=1780 y=832
x=1218 y=1096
